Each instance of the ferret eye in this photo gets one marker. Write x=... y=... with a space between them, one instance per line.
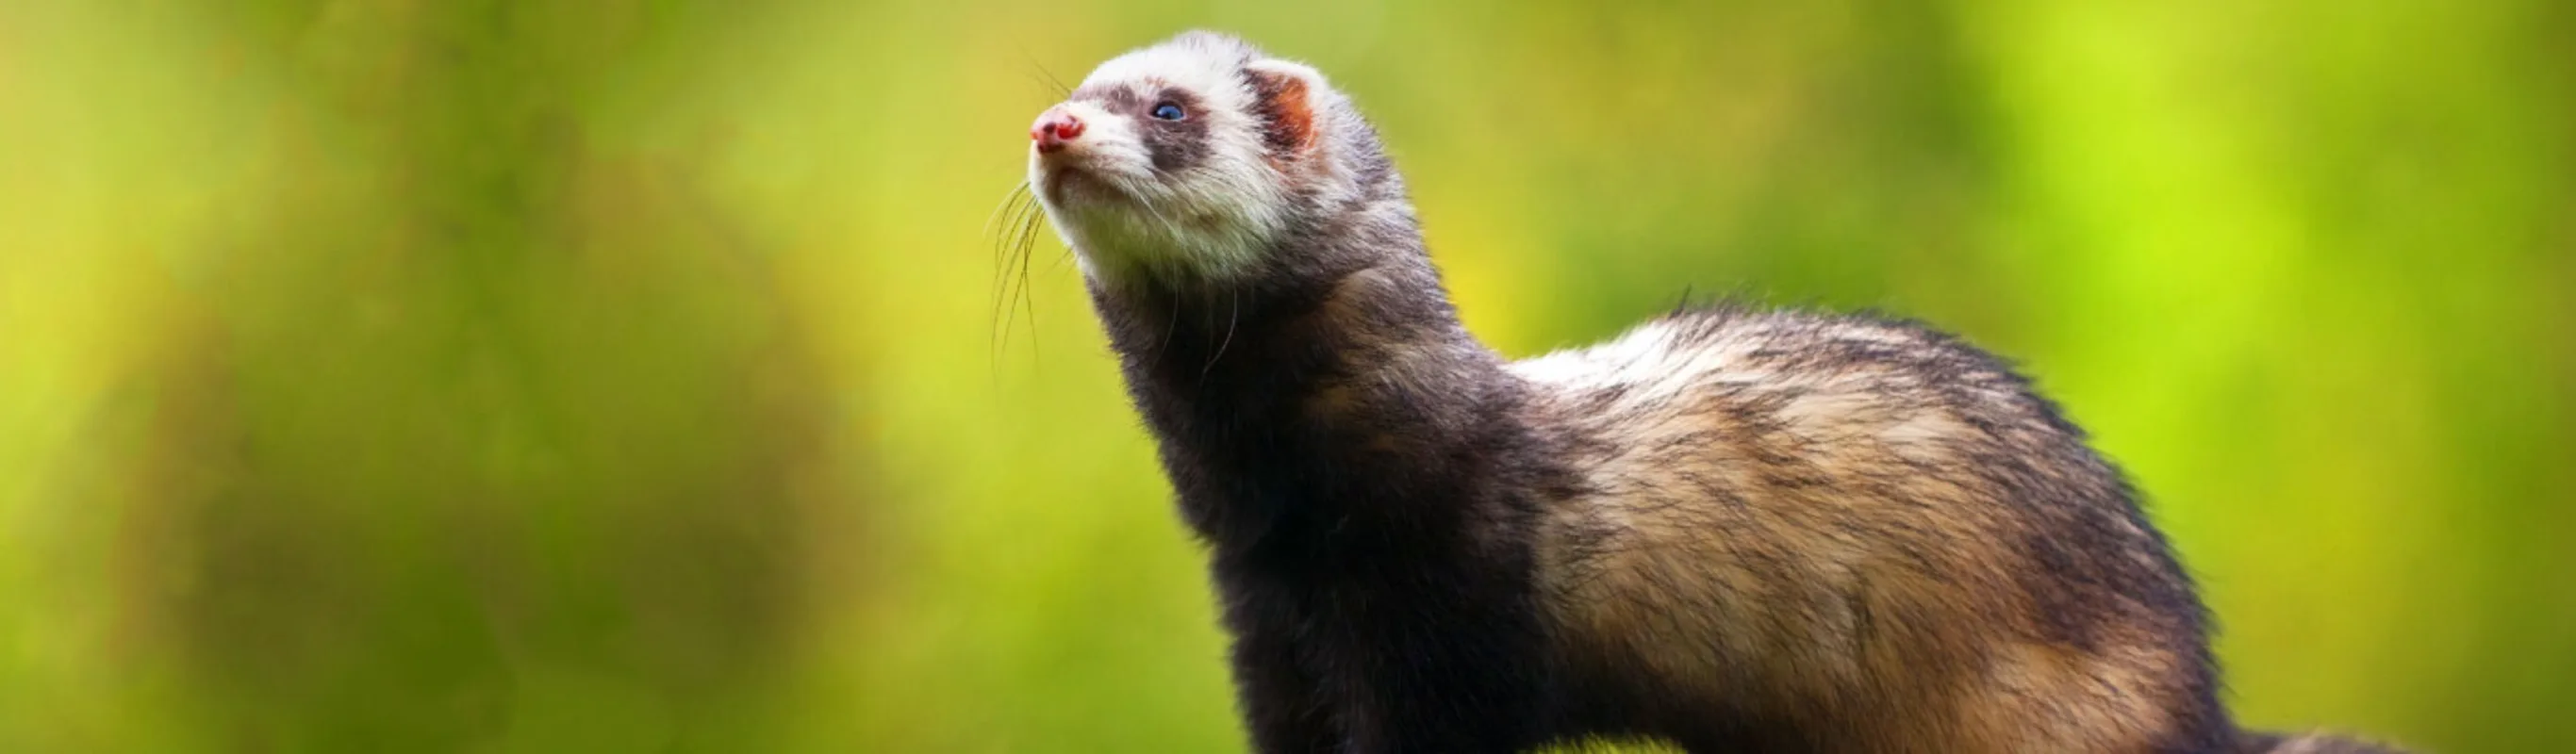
x=1167 y=111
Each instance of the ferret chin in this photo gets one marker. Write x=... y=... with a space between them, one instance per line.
x=1729 y=529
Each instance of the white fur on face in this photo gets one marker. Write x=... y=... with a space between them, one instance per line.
x=1122 y=215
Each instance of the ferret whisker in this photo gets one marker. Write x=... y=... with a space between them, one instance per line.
x=1171 y=324
x=1046 y=78
x=996 y=225
x=1015 y=219
x=1014 y=286
x=994 y=318
x=1009 y=208
x=1048 y=83
x=1233 y=313
x=1028 y=245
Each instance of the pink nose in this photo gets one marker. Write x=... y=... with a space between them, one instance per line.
x=1054 y=128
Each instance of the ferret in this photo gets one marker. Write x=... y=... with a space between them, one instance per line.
x=1729 y=529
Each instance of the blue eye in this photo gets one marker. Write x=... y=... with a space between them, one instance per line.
x=1167 y=111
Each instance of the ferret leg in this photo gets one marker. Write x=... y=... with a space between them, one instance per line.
x=1436 y=677
x=1282 y=709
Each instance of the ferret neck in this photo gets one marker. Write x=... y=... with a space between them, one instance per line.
x=1251 y=343
x=1277 y=400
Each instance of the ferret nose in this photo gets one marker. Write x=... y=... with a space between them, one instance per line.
x=1055 y=127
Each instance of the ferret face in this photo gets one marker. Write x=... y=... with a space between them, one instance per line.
x=1183 y=160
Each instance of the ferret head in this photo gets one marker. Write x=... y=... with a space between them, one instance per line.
x=1189 y=160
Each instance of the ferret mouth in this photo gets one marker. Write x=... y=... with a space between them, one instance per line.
x=1071 y=185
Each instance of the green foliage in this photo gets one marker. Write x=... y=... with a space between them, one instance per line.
x=626 y=375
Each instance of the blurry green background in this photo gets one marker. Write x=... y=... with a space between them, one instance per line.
x=626 y=376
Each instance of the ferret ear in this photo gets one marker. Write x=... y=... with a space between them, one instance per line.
x=1284 y=94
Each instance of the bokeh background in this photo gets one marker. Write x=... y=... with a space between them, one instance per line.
x=634 y=375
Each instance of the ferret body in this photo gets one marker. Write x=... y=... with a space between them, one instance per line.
x=1728 y=529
